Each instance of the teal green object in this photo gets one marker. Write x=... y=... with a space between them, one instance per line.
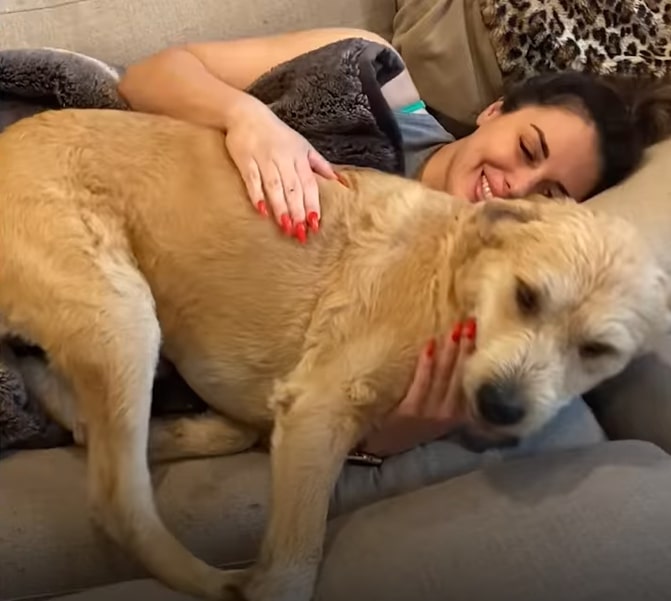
x=414 y=107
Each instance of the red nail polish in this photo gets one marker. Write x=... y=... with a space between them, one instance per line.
x=313 y=221
x=262 y=208
x=301 y=233
x=285 y=222
x=456 y=333
x=470 y=329
x=431 y=348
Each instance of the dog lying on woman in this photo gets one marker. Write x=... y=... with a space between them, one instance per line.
x=124 y=235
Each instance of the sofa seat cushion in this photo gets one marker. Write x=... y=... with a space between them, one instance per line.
x=216 y=506
x=583 y=525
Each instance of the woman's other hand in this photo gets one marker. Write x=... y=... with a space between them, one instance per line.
x=432 y=407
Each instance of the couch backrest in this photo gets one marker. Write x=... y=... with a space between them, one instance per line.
x=120 y=31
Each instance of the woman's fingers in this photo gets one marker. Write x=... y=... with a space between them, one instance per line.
x=443 y=374
x=293 y=196
x=421 y=382
x=273 y=188
x=310 y=193
x=292 y=193
x=320 y=165
x=453 y=395
x=249 y=171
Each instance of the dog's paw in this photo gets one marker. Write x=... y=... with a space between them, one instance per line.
x=233 y=588
x=276 y=585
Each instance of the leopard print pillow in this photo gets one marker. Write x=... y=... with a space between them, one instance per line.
x=607 y=37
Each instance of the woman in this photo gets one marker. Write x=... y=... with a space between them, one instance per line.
x=558 y=135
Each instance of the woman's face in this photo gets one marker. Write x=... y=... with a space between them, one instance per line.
x=535 y=149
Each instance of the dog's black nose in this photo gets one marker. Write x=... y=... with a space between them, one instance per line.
x=499 y=403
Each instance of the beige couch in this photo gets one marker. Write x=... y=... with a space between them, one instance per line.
x=592 y=522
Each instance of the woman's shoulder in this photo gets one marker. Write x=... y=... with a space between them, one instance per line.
x=421 y=135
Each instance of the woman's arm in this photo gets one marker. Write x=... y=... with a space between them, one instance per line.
x=202 y=83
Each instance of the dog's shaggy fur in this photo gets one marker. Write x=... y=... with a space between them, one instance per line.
x=124 y=234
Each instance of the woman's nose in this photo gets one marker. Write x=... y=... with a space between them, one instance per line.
x=524 y=182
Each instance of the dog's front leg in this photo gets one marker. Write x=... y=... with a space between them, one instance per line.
x=314 y=430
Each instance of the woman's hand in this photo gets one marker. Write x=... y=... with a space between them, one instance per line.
x=278 y=166
x=431 y=409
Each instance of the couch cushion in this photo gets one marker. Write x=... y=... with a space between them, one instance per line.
x=119 y=31
x=216 y=506
x=447 y=50
x=637 y=403
x=587 y=525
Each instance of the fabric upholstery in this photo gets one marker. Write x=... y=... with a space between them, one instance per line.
x=637 y=403
x=445 y=45
x=572 y=526
x=216 y=506
x=119 y=31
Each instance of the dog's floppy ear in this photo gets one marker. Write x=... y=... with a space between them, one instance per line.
x=495 y=217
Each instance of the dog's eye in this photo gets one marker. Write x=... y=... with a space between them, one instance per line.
x=527 y=298
x=595 y=350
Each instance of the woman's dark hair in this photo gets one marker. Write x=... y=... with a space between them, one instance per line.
x=628 y=113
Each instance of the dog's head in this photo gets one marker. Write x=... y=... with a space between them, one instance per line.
x=564 y=298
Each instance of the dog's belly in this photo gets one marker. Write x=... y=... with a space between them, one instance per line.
x=232 y=389
x=233 y=329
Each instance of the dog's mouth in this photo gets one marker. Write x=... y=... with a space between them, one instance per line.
x=475 y=433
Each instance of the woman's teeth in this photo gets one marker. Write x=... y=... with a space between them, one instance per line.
x=486 y=188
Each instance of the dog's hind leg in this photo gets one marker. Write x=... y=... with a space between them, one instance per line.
x=171 y=438
x=93 y=313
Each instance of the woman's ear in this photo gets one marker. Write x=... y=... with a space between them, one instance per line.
x=491 y=112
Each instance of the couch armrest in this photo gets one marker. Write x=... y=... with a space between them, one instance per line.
x=637 y=403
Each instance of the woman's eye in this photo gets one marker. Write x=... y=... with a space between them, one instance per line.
x=528 y=155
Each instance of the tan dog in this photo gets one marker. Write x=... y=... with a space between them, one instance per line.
x=125 y=234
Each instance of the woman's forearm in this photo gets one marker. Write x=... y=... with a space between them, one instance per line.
x=202 y=82
x=176 y=83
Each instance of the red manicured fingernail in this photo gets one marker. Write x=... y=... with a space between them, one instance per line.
x=313 y=221
x=301 y=233
x=431 y=348
x=262 y=208
x=470 y=329
x=285 y=222
x=456 y=333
